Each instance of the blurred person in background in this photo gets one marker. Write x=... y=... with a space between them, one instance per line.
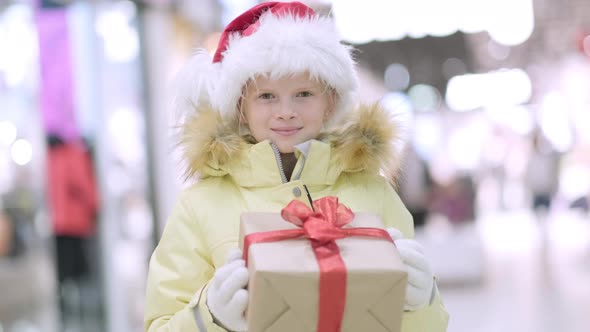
x=542 y=179
x=542 y=174
x=415 y=187
x=273 y=114
x=73 y=206
x=455 y=199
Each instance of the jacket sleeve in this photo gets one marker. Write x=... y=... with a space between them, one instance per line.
x=179 y=270
x=434 y=317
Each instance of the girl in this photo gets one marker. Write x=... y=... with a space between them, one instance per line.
x=272 y=118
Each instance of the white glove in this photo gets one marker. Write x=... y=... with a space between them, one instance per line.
x=420 y=278
x=227 y=297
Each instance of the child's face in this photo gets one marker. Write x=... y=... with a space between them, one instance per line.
x=287 y=111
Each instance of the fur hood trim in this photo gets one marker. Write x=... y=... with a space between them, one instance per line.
x=369 y=139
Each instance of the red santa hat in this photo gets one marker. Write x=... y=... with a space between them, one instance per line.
x=275 y=39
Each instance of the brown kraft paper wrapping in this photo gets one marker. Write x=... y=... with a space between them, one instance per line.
x=284 y=279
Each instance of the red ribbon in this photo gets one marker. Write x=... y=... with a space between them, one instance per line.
x=322 y=227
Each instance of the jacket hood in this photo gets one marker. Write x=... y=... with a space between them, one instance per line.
x=368 y=139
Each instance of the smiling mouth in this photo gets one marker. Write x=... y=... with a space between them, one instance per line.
x=286 y=131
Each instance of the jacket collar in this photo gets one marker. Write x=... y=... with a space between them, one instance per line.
x=258 y=166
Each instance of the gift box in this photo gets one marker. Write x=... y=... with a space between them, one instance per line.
x=304 y=280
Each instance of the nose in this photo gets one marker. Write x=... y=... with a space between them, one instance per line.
x=286 y=110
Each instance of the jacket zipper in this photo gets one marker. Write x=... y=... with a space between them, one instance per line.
x=279 y=160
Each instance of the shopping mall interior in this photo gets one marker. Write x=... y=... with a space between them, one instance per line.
x=494 y=95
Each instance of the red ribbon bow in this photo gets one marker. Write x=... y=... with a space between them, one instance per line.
x=322 y=226
x=324 y=223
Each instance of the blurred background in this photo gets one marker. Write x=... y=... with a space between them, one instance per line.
x=495 y=95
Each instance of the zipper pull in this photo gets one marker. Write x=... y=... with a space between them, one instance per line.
x=309 y=197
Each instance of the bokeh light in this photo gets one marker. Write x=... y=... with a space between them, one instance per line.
x=507 y=87
x=424 y=97
x=22 y=152
x=396 y=77
x=514 y=21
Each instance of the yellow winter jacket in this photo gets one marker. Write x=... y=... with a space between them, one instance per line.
x=236 y=175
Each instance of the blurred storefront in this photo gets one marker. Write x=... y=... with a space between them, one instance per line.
x=478 y=89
